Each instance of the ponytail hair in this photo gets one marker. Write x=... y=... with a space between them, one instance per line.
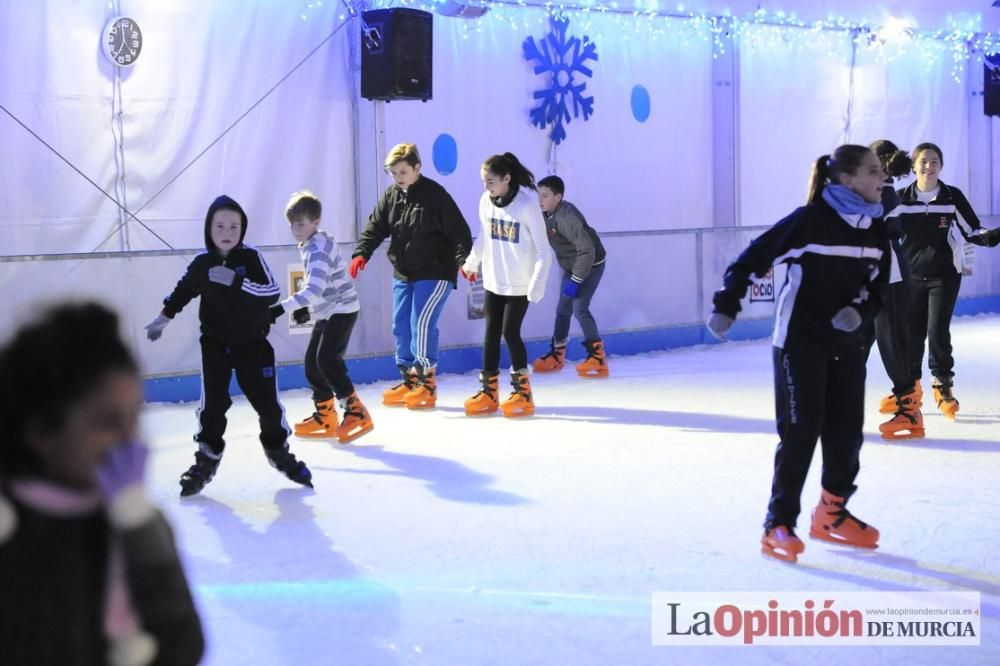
x=895 y=162
x=827 y=168
x=508 y=165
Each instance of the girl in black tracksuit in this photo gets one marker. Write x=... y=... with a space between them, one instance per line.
x=892 y=323
x=935 y=221
x=837 y=252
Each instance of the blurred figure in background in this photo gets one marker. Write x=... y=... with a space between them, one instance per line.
x=89 y=567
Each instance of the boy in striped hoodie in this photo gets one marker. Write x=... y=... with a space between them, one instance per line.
x=329 y=298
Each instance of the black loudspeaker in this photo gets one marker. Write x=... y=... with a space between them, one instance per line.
x=396 y=54
x=991 y=85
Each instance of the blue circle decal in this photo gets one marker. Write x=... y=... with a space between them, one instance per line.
x=445 y=154
x=640 y=103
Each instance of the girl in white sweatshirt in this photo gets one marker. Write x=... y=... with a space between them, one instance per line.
x=512 y=255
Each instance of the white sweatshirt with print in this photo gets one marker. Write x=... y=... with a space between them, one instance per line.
x=512 y=251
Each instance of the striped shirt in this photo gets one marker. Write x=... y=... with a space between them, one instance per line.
x=327 y=289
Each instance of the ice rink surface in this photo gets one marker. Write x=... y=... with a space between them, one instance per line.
x=444 y=540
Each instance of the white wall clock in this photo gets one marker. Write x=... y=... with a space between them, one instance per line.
x=122 y=41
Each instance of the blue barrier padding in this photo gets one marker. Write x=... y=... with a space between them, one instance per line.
x=460 y=360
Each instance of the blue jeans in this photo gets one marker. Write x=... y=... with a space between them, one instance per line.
x=416 y=308
x=578 y=307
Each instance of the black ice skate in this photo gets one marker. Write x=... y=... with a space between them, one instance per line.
x=201 y=472
x=284 y=461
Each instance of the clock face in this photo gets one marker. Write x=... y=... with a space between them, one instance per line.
x=122 y=41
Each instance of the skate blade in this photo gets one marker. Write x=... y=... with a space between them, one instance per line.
x=354 y=434
x=316 y=435
x=422 y=405
x=518 y=413
x=393 y=403
x=823 y=536
x=777 y=554
x=482 y=411
x=593 y=374
x=914 y=433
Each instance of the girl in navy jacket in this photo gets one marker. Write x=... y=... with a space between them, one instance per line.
x=935 y=222
x=837 y=252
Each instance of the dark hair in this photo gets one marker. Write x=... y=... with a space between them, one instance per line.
x=895 y=162
x=508 y=165
x=826 y=169
x=304 y=204
x=927 y=145
x=554 y=183
x=49 y=365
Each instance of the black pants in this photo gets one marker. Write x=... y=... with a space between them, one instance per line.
x=504 y=315
x=326 y=371
x=932 y=303
x=817 y=395
x=892 y=332
x=254 y=367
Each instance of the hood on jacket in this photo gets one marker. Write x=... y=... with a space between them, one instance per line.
x=223 y=203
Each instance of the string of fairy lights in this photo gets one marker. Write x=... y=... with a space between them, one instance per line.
x=960 y=41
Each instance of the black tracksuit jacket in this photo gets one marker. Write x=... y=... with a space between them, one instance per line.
x=430 y=238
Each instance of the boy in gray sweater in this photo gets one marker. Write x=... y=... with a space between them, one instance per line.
x=581 y=255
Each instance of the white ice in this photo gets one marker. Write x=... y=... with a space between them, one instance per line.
x=444 y=540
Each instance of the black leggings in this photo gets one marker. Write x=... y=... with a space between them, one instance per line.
x=504 y=315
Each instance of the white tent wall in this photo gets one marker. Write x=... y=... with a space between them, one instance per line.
x=647 y=186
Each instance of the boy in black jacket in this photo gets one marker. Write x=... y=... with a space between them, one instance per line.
x=236 y=289
x=429 y=240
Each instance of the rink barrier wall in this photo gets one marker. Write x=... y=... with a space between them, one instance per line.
x=460 y=360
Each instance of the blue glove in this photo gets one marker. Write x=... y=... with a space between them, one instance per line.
x=125 y=465
x=571 y=289
x=120 y=478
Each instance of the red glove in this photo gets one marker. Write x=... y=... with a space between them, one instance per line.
x=357 y=265
x=471 y=277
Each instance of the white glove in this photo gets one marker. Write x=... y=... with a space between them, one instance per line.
x=155 y=328
x=221 y=275
x=847 y=319
x=719 y=324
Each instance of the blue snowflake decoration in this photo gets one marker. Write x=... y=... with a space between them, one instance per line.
x=562 y=59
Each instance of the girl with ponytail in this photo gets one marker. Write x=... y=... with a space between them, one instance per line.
x=512 y=255
x=890 y=325
x=837 y=256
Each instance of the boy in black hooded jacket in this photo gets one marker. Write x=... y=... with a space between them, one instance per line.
x=236 y=289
